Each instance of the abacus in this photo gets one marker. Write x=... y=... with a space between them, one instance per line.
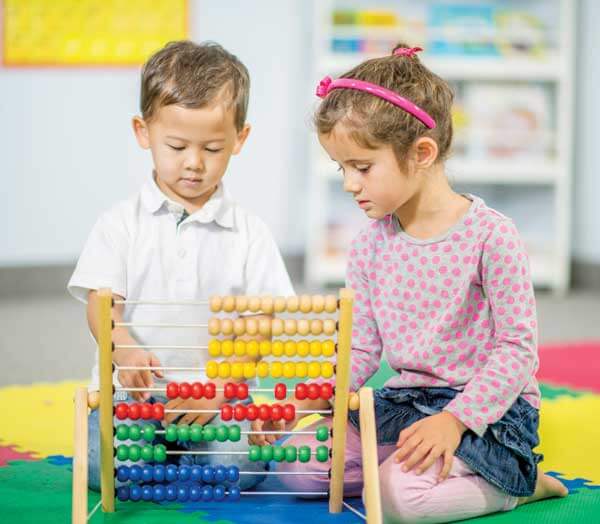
x=217 y=483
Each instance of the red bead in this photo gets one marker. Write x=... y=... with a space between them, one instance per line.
x=251 y=412
x=230 y=390
x=209 y=390
x=326 y=391
x=158 y=411
x=314 y=391
x=134 y=411
x=146 y=411
x=276 y=412
x=289 y=412
x=280 y=391
x=301 y=391
x=197 y=390
x=242 y=391
x=239 y=412
x=172 y=390
x=264 y=412
x=226 y=412
x=185 y=390
x=122 y=411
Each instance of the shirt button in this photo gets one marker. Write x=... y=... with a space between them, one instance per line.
x=181 y=253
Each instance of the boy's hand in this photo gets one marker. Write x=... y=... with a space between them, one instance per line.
x=269 y=425
x=137 y=378
x=190 y=403
x=422 y=443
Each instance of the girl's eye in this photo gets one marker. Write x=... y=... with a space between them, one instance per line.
x=363 y=169
x=340 y=169
x=177 y=148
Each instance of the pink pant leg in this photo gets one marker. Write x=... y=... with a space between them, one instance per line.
x=407 y=497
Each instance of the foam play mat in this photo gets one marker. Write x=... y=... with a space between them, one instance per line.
x=36 y=448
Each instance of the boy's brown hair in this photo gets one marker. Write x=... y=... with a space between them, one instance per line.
x=373 y=121
x=193 y=75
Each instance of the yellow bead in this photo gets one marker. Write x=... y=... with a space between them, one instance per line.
x=353 y=401
x=289 y=369
x=316 y=326
x=330 y=304
x=289 y=326
x=239 y=327
x=214 y=348
x=301 y=369
x=264 y=327
x=266 y=305
x=216 y=302
x=293 y=303
x=214 y=326
x=249 y=369
x=224 y=369
x=241 y=303
x=237 y=370
x=228 y=304
x=318 y=303
x=314 y=369
x=262 y=369
x=279 y=305
x=251 y=326
x=303 y=348
x=305 y=304
x=328 y=348
x=276 y=369
x=227 y=326
x=252 y=348
x=326 y=369
x=239 y=348
x=254 y=304
x=277 y=327
x=265 y=348
x=212 y=369
x=227 y=348
x=329 y=327
x=303 y=327
x=277 y=348
x=315 y=348
x=290 y=348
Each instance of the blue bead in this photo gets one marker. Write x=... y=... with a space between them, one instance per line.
x=234 y=493
x=208 y=474
x=123 y=493
x=184 y=473
x=159 y=493
x=147 y=473
x=182 y=494
x=219 y=492
x=220 y=474
x=159 y=473
x=135 y=492
x=207 y=493
x=196 y=474
x=171 y=492
x=147 y=492
x=123 y=473
x=195 y=492
x=233 y=474
x=171 y=473
x=135 y=473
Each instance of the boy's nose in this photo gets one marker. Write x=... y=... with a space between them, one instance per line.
x=195 y=162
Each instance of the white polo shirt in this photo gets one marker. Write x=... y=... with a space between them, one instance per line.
x=138 y=250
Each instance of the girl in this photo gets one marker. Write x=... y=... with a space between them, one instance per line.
x=443 y=288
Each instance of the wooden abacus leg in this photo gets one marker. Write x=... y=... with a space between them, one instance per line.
x=80 y=459
x=368 y=443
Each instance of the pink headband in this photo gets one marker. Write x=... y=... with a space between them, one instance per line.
x=327 y=85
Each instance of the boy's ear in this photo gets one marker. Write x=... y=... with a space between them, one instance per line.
x=140 y=130
x=425 y=152
x=241 y=138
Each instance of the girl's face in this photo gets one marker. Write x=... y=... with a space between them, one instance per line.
x=373 y=177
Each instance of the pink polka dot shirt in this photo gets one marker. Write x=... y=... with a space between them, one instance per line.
x=454 y=311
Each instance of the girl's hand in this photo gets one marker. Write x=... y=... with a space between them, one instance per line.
x=422 y=443
x=187 y=404
x=137 y=378
x=269 y=425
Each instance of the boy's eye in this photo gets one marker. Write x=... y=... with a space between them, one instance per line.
x=213 y=150
x=176 y=148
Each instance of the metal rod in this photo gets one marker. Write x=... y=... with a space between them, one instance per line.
x=158 y=324
x=163 y=302
x=143 y=346
x=153 y=368
x=298 y=493
x=354 y=510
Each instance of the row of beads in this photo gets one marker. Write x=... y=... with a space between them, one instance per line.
x=175 y=492
x=197 y=390
x=147 y=453
x=135 y=432
x=268 y=327
x=264 y=412
x=275 y=369
x=268 y=305
x=172 y=473
x=287 y=453
x=135 y=411
x=277 y=348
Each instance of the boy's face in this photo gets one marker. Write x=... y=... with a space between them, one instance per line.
x=191 y=149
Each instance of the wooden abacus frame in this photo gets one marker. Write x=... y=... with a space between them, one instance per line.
x=343 y=401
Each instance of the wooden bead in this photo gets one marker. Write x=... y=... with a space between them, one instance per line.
x=249 y=369
x=227 y=326
x=305 y=304
x=239 y=327
x=241 y=303
x=264 y=327
x=277 y=327
x=326 y=369
x=262 y=369
x=353 y=401
x=289 y=327
x=316 y=326
x=276 y=369
x=251 y=326
x=318 y=303
x=328 y=348
x=315 y=348
x=93 y=400
x=228 y=304
x=214 y=347
x=302 y=348
x=216 y=302
x=227 y=348
x=214 y=326
x=279 y=305
x=314 y=369
x=239 y=348
x=265 y=348
x=254 y=304
x=329 y=326
x=301 y=369
x=289 y=348
x=266 y=305
x=289 y=369
x=252 y=348
x=330 y=304
x=277 y=348
x=224 y=369
x=292 y=304
x=303 y=327
x=237 y=370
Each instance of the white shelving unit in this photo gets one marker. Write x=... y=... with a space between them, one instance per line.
x=549 y=174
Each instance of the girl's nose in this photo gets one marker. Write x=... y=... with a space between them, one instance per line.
x=351 y=185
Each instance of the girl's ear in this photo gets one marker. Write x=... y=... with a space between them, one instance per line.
x=140 y=130
x=425 y=152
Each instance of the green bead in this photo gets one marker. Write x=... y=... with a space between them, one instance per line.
x=303 y=453
x=147 y=453
x=148 y=432
x=123 y=452
x=291 y=453
x=135 y=452
x=135 y=432
x=222 y=433
x=171 y=433
x=266 y=453
x=196 y=433
x=322 y=453
x=254 y=453
x=235 y=433
x=322 y=433
x=122 y=432
x=278 y=454
x=160 y=453
x=209 y=433
x=183 y=433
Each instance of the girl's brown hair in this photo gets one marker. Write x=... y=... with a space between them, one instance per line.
x=373 y=121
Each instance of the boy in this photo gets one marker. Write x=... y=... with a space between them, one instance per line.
x=180 y=237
